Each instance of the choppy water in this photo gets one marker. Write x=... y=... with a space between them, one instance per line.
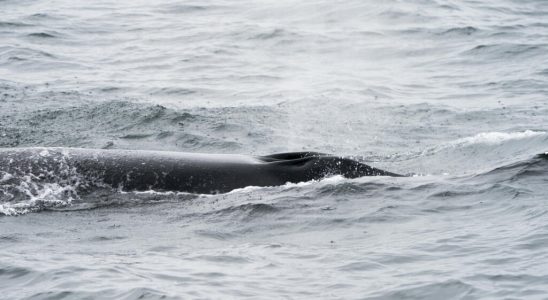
x=453 y=90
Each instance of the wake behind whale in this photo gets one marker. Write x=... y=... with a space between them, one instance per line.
x=132 y=170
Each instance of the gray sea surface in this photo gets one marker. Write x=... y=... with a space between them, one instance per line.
x=454 y=92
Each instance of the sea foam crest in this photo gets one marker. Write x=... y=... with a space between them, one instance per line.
x=493 y=138
x=485 y=139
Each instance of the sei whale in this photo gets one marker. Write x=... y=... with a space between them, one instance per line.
x=137 y=170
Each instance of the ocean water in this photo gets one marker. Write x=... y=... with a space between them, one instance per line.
x=453 y=92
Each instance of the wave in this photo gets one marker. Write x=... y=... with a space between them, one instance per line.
x=494 y=138
x=496 y=52
x=535 y=167
x=14 y=24
x=468 y=30
x=474 y=154
x=128 y=125
x=43 y=35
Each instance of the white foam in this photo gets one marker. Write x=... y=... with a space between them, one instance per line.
x=288 y=185
x=486 y=139
x=36 y=194
x=6 y=177
x=44 y=153
x=494 y=138
x=7 y=210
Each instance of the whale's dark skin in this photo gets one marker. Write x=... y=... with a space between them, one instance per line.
x=136 y=170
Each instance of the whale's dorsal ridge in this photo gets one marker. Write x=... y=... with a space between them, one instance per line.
x=288 y=156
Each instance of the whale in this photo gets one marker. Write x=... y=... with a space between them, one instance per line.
x=142 y=170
